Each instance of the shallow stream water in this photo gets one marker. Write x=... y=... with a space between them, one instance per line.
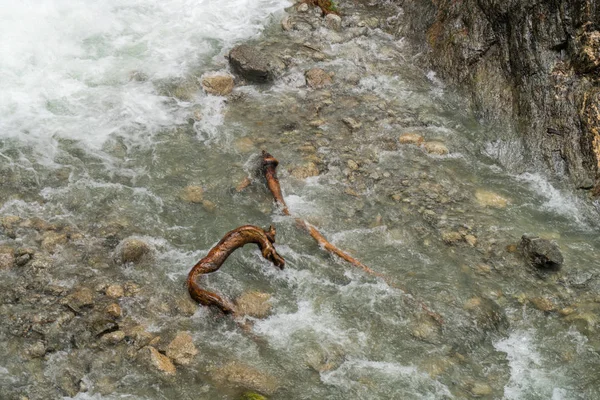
x=103 y=125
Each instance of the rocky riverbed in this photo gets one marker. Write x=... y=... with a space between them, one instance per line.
x=377 y=152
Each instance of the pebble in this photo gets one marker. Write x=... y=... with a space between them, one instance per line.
x=452 y=238
x=113 y=337
x=115 y=291
x=472 y=303
x=487 y=198
x=53 y=239
x=254 y=304
x=352 y=123
x=114 y=310
x=471 y=239
x=410 y=138
x=192 y=194
x=303 y=7
x=209 y=205
x=7 y=258
x=317 y=78
x=132 y=250
x=80 y=298
x=353 y=165
x=543 y=304
x=242 y=375
x=244 y=145
x=438 y=148
x=218 y=84
x=158 y=360
x=333 y=22
x=479 y=389
x=307 y=170
x=181 y=349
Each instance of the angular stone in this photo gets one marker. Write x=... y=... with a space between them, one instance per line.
x=352 y=123
x=114 y=310
x=411 y=138
x=543 y=304
x=181 y=349
x=82 y=297
x=317 y=78
x=541 y=253
x=158 y=360
x=253 y=64
x=113 y=337
x=255 y=304
x=115 y=291
x=192 y=194
x=53 y=239
x=242 y=375
x=333 y=22
x=218 y=85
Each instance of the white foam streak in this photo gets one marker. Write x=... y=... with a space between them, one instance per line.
x=527 y=374
x=555 y=200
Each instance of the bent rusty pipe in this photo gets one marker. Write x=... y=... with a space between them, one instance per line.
x=218 y=254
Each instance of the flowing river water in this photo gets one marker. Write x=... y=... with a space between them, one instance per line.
x=103 y=124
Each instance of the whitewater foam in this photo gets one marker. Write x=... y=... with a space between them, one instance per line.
x=71 y=69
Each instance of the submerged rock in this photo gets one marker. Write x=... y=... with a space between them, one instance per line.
x=254 y=304
x=217 y=84
x=317 y=78
x=53 y=239
x=157 y=360
x=253 y=64
x=438 y=148
x=7 y=258
x=305 y=171
x=192 y=194
x=132 y=250
x=333 y=22
x=181 y=349
x=541 y=253
x=486 y=198
x=411 y=138
x=239 y=374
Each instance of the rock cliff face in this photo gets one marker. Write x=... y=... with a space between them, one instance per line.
x=531 y=64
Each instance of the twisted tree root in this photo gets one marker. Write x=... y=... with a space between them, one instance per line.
x=219 y=253
x=269 y=167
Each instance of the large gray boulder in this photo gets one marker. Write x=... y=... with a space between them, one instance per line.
x=254 y=64
x=541 y=253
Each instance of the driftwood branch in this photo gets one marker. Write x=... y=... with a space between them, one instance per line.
x=219 y=253
x=269 y=167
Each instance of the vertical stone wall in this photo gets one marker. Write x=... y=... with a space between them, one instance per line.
x=534 y=65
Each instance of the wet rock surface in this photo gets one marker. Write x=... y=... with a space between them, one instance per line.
x=532 y=63
x=541 y=253
x=254 y=64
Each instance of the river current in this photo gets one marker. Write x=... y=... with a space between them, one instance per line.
x=103 y=124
